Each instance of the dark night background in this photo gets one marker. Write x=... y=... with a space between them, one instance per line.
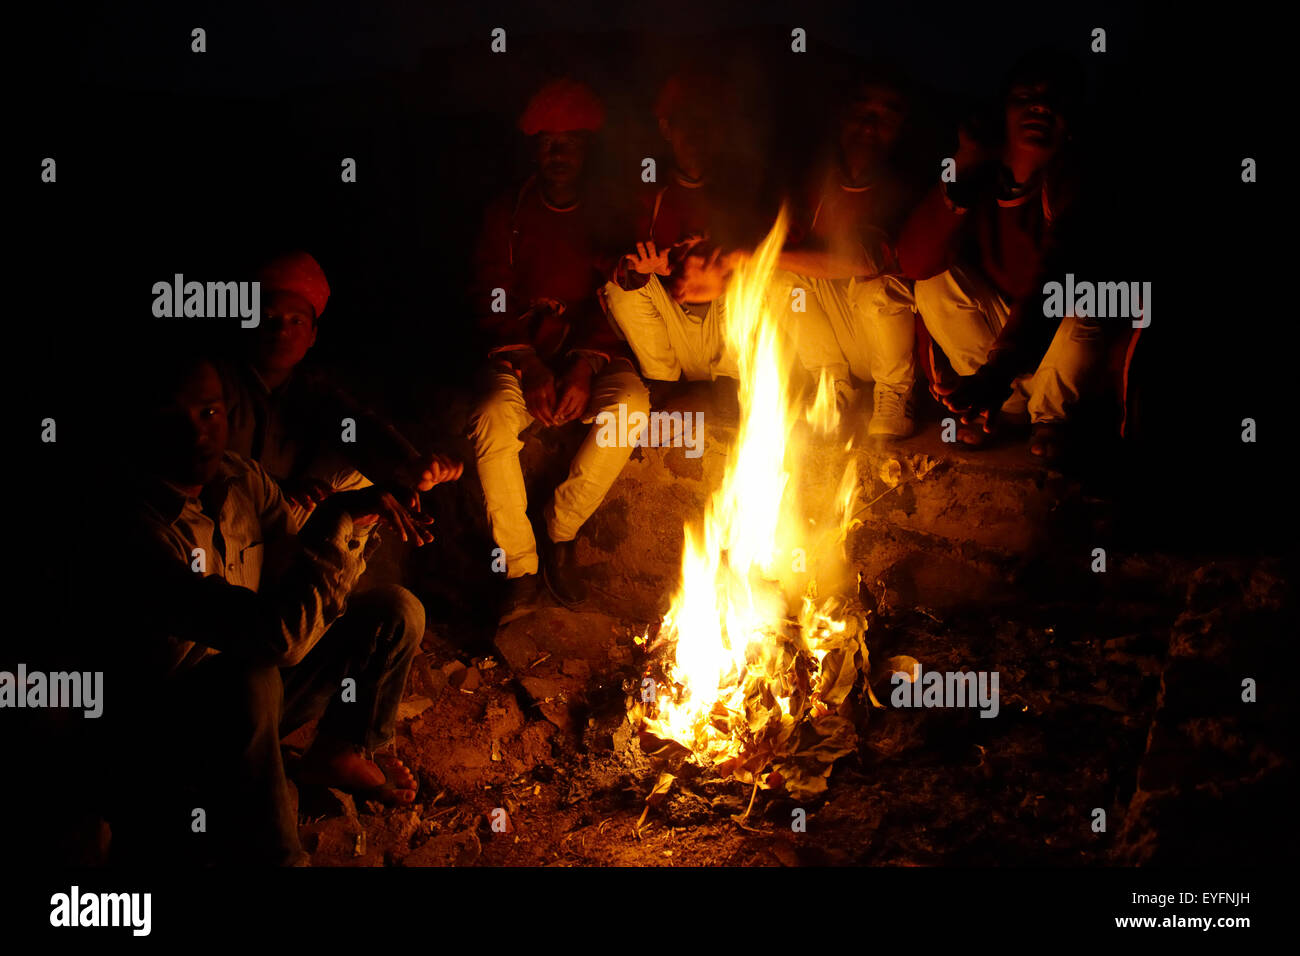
x=170 y=161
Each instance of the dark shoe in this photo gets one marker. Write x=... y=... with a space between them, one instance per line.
x=562 y=574
x=522 y=596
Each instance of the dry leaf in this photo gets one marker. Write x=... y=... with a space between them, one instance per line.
x=903 y=664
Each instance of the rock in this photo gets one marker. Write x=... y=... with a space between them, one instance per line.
x=576 y=668
x=413 y=707
x=558 y=713
x=540 y=688
x=583 y=636
x=437 y=682
x=622 y=737
x=469 y=680
x=936 y=582
x=684 y=808
x=1218 y=769
x=315 y=802
x=333 y=842
x=446 y=849
x=504 y=718
x=517 y=648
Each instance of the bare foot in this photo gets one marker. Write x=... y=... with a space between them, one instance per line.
x=385 y=778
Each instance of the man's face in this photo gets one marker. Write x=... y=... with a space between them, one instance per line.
x=192 y=429
x=870 y=126
x=1034 y=118
x=560 y=158
x=689 y=138
x=287 y=331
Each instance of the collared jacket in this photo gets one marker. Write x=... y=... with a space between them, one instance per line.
x=231 y=572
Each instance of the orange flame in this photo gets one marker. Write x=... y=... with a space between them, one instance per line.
x=729 y=626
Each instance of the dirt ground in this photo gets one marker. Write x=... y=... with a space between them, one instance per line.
x=530 y=763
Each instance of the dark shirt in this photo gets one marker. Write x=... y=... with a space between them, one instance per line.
x=1016 y=241
x=536 y=252
x=295 y=431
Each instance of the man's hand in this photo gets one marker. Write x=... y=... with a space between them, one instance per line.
x=368 y=505
x=538 y=384
x=306 y=493
x=976 y=398
x=647 y=260
x=435 y=469
x=702 y=279
x=575 y=391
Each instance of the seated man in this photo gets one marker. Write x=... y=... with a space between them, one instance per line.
x=668 y=296
x=675 y=330
x=981 y=249
x=290 y=420
x=842 y=254
x=554 y=358
x=233 y=654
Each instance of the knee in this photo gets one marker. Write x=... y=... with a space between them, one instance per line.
x=491 y=422
x=631 y=392
x=399 y=612
x=928 y=296
x=259 y=697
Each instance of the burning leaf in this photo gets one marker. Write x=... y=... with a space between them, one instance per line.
x=922 y=465
x=660 y=789
x=891 y=472
x=819 y=745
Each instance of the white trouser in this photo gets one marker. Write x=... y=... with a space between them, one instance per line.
x=495 y=427
x=964 y=316
x=668 y=341
x=866 y=326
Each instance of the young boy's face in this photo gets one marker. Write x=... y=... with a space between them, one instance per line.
x=869 y=127
x=287 y=331
x=1034 y=118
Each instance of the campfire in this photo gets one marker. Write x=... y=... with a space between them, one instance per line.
x=753 y=666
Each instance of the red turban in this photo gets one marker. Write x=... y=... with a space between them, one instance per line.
x=561 y=106
x=299 y=273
